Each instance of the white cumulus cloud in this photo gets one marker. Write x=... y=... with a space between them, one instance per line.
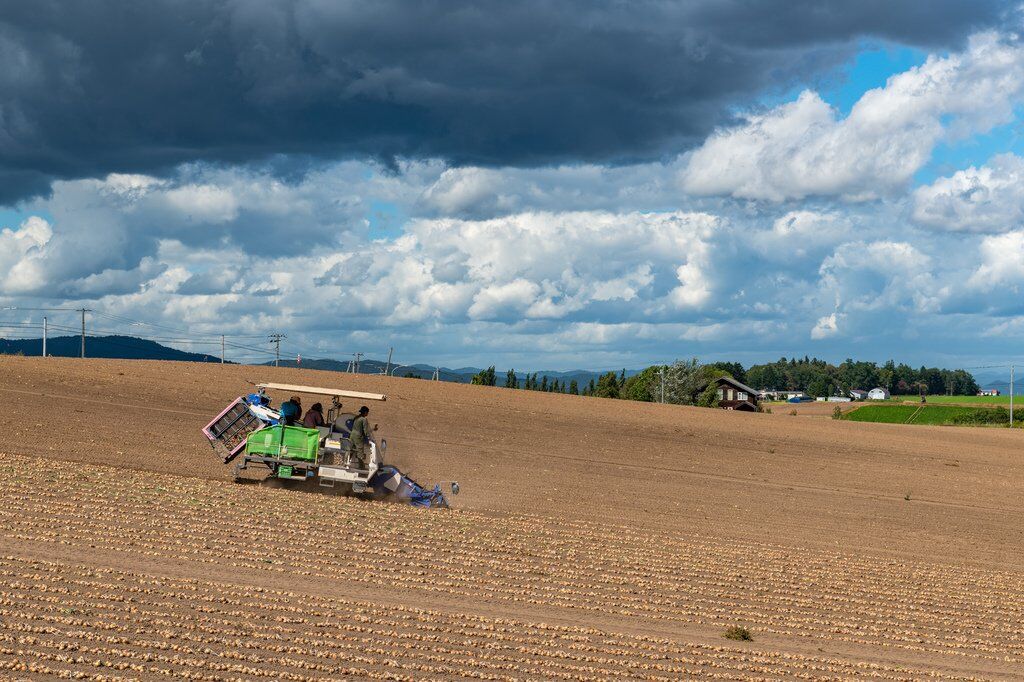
x=825 y=327
x=985 y=199
x=541 y=265
x=21 y=252
x=1002 y=261
x=806 y=148
x=204 y=203
x=802 y=234
x=880 y=275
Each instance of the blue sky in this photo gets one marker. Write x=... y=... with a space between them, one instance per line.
x=870 y=68
x=833 y=185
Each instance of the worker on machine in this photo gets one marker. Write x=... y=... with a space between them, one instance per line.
x=291 y=410
x=359 y=439
x=314 y=417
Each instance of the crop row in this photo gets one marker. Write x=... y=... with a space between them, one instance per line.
x=522 y=560
x=121 y=623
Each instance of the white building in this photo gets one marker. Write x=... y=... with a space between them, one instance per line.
x=878 y=394
x=858 y=394
x=772 y=394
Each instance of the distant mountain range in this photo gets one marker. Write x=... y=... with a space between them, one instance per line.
x=122 y=347
x=1001 y=381
x=134 y=348
x=461 y=375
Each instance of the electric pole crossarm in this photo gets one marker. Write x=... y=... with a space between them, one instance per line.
x=275 y=339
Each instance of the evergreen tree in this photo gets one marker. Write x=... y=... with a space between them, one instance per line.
x=733 y=369
x=645 y=386
x=590 y=387
x=511 y=380
x=544 y=383
x=574 y=387
x=485 y=377
x=622 y=378
x=607 y=386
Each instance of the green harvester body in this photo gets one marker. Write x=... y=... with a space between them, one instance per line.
x=285 y=442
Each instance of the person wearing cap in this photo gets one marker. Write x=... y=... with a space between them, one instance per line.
x=291 y=410
x=359 y=438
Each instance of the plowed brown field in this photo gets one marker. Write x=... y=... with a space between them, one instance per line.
x=594 y=539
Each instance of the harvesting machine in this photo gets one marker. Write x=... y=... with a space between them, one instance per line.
x=251 y=433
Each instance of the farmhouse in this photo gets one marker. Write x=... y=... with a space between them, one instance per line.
x=733 y=395
x=878 y=394
x=988 y=392
x=858 y=394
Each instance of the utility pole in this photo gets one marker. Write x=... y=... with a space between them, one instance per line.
x=275 y=339
x=387 y=367
x=222 y=349
x=83 y=311
x=1011 y=396
x=44 y=336
x=437 y=374
x=662 y=372
x=358 y=357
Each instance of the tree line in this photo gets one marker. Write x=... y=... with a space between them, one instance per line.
x=689 y=382
x=819 y=378
x=605 y=386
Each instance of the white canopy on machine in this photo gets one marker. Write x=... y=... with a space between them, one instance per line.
x=291 y=388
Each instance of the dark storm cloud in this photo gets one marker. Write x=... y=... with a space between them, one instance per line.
x=91 y=88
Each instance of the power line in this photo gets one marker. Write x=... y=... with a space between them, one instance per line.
x=250 y=348
x=183 y=336
x=67 y=310
x=130 y=321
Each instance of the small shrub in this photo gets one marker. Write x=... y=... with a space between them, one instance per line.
x=738 y=633
x=766 y=410
x=907 y=497
x=792 y=413
x=837 y=412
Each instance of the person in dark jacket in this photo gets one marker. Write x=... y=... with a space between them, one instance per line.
x=291 y=411
x=314 y=417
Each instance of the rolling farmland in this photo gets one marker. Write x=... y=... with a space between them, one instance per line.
x=134 y=557
x=1003 y=400
x=909 y=414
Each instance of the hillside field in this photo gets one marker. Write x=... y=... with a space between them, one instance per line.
x=1003 y=400
x=909 y=414
x=593 y=539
